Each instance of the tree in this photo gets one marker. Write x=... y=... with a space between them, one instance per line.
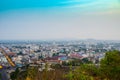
x=84 y=72
x=31 y=73
x=15 y=74
x=110 y=65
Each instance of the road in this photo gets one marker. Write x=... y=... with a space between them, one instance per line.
x=4 y=74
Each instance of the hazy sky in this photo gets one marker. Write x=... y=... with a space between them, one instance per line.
x=59 y=19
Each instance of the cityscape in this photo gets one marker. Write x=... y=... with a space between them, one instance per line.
x=59 y=39
x=18 y=54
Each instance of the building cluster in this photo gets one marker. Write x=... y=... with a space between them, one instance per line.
x=54 y=52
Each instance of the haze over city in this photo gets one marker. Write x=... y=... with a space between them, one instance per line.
x=59 y=19
x=59 y=39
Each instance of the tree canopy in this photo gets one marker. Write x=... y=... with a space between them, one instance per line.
x=110 y=65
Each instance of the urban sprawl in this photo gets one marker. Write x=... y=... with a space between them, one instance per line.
x=17 y=54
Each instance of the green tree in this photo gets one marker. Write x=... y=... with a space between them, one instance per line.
x=31 y=73
x=15 y=74
x=110 y=65
x=84 y=72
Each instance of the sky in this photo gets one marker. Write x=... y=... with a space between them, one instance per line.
x=59 y=19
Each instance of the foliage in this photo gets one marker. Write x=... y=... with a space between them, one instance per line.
x=22 y=75
x=56 y=66
x=109 y=69
x=74 y=62
x=15 y=74
x=56 y=74
x=110 y=65
x=86 y=61
x=84 y=72
x=31 y=73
